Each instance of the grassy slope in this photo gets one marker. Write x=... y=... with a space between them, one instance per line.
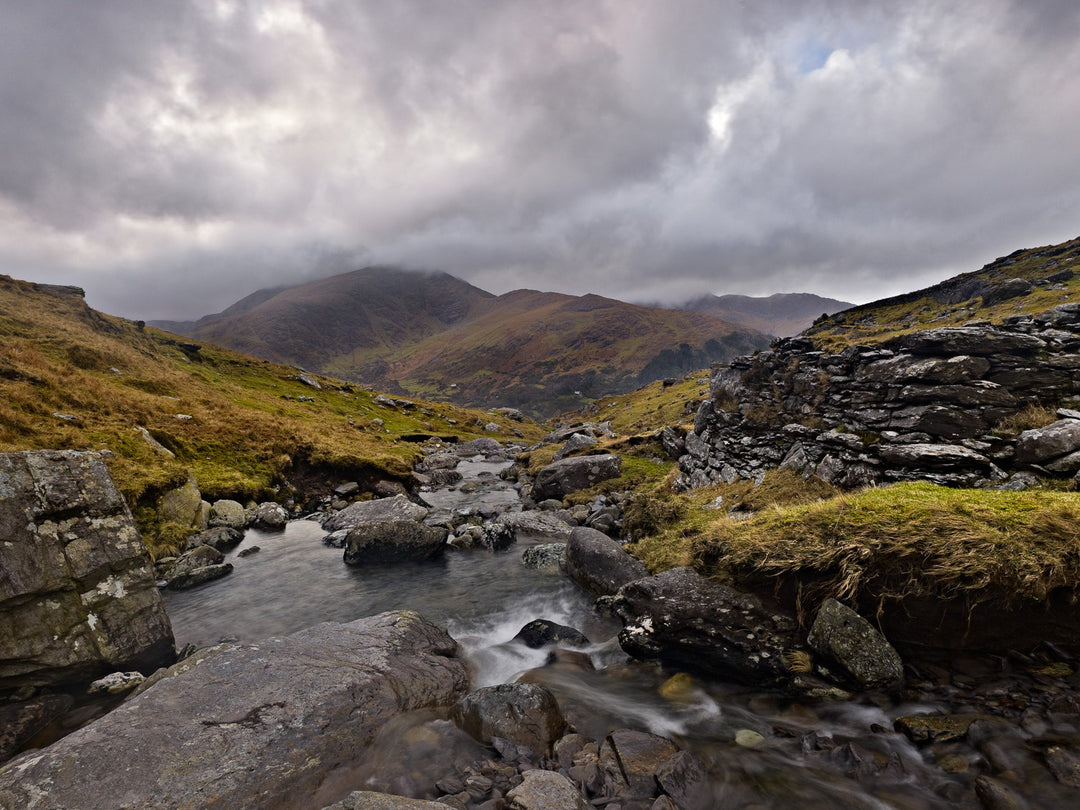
x=947 y=304
x=249 y=434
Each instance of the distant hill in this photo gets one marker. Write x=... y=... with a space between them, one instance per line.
x=433 y=335
x=1026 y=282
x=783 y=314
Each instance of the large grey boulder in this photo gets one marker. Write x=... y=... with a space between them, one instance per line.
x=849 y=641
x=268 y=516
x=682 y=618
x=525 y=714
x=933 y=456
x=197 y=566
x=397 y=508
x=546 y=790
x=974 y=340
x=390 y=541
x=183 y=506
x=271 y=724
x=536 y=524
x=572 y=474
x=367 y=800
x=227 y=513
x=1043 y=444
x=77 y=590
x=599 y=564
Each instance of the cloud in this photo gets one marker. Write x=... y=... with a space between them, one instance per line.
x=172 y=157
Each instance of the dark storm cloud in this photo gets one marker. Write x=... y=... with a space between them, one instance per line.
x=172 y=157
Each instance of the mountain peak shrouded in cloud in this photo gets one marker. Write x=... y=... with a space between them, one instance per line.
x=171 y=157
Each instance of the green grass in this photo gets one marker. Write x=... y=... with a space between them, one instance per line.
x=911 y=539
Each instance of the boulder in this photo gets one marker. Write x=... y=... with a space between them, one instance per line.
x=268 y=516
x=78 y=595
x=199 y=576
x=1013 y=288
x=599 y=564
x=545 y=555
x=1043 y=444
x=630 y=760
x=390 y=541
x=933 y=456
x=576 y=443
x=222 y=538
x=537 y=524
x=440 y=461
x=541 y=632
x=684 y=619
x=227 y=513
x=182 y=506
x=567 y=475
x=848 y=640
x=234 y=732
x=200 y=564
x=524 y=714
x=21 y=722
x=981 y=341
x=397 y=508
x=546 y=790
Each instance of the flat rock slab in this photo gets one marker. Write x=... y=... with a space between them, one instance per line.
x=397 y=508
x=257 y=725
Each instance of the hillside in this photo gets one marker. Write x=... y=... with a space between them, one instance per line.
x=1026 y=282
x=783 y=314
x=74 y=378
x=434 y=335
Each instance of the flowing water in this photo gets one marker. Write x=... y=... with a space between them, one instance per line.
x=761 y=749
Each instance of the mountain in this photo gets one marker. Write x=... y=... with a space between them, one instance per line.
x=170 y=410
x=783 y=314
x=1026 y=282
x=433 y=335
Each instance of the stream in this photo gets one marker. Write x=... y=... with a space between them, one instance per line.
x=761 y=749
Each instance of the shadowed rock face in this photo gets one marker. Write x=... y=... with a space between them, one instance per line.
x=77 y=590
x=270 y=725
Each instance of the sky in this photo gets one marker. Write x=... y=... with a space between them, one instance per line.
x=172 y=156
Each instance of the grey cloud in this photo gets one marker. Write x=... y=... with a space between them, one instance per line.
x=171 y=157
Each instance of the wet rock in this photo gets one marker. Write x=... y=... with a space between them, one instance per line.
x=397 y=508
x=390 y=541
x=268 y=516
x=440 y=461
x=198 y=576
x=200 y=564
x=848 y=640
x=1064 y=763
x=20 y=722
x=221 y=538
x=541 y=632
x=235 y=732
x=545 y=790
x=928 y=728
x=683 y=778
x=996 y=795
x=227 y=513
x=599 y=564
x=484 y=446
x=567 y=475
x=1043 y=444
x=545 y=555
x=630 y=760
x=695 y=623
x=368 y=800
x=78 y=596
x=523 y=714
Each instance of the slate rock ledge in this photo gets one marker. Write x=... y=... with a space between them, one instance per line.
x=270 y=725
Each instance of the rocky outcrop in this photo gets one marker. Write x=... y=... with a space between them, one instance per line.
x=686 y=620
x=599 y=564
x=389 y=541
x=77 y=589
x=567 y=475
x=919 y=407
x=233 y=732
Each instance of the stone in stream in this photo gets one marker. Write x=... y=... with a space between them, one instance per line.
x=78 y=596
x=235 y=731
x=629 y=761
x=544 y=556
x=390 y=541
x=523 y=714
x=227 y=513
x=540 y=632
x=687 y=620
x=221 y=537
x=268 y=516
x=850 y=641
x=546 y=790
x=397 y=508
x=599 y=564
x=368 y=800
x=572 y=474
